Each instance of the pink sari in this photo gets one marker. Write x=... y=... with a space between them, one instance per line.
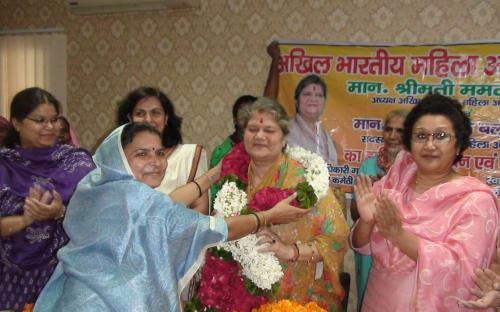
x=456 y=223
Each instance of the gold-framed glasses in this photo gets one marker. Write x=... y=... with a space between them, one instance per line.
x=437 y=137
x=44 y=121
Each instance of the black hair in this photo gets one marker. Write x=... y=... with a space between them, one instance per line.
x=23 y=103
x=437 y=104
x=171 y=134
x=131 y=130
x=304 y=83
x=244 y=99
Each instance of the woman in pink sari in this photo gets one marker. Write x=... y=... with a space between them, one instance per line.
x=426 y=226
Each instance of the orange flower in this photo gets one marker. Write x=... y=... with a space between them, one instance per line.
x=289 y=306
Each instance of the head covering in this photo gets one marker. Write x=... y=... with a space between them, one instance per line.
x=131 y=247
x=29 y=252
x=73 y=139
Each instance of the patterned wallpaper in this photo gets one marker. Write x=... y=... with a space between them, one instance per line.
x=205 y=58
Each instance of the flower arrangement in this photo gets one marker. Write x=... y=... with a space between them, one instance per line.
x=257 y=272
x=289 y=306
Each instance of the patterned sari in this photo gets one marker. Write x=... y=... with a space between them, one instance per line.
x=325 y=227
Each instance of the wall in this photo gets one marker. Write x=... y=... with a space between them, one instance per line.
x=204 y=59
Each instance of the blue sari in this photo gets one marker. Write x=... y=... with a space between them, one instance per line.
x=131 y=248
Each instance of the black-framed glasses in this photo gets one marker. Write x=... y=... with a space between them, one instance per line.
x=44 y=121
x=438 y=137
x=390 y=129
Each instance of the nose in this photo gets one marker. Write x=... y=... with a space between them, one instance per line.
x=429 y=143
x=147 y=118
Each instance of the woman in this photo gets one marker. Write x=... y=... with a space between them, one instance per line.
x=426 y=226
x=376 y=167
x=185 y=161
x=310 y=97
x=37 y=179
x=311 y=249
x=66 y=133
x=4 y=127
x=132 y=248
x=235 y=138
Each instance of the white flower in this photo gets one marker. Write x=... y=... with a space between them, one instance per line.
x=263 y=269
x=316 y=170
x=230 y=200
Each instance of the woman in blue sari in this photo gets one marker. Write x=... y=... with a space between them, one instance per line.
x=133 y=248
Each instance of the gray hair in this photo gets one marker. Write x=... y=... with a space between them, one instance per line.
x=265 y=105
x=395 y=113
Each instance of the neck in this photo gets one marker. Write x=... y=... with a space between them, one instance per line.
x=423 y=182
x=311 y=123
x=258 y=169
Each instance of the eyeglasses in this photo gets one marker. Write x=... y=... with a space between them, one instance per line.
x=438 y=137
x=390 y=129
x=44 y=121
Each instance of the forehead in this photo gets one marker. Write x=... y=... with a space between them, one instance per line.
x=148 y=103
x=44 y=109
x=145 y=140
x=396 y=121
x=431 y=122
x=313 y=87
x=264 y=118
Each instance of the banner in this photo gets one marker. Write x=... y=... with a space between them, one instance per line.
x=364 y=83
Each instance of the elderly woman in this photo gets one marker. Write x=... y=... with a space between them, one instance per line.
x=376 y=167
x=132 y=248
x=426 y=226
x=310 y=97
x=37 y=179
x=311 y=249
x=185 y=161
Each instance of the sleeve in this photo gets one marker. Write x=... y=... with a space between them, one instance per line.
x=445 y=267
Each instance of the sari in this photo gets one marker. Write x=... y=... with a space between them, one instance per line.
x=325 y=227
x=456 y=224
x=131 y=248
x=28 y=257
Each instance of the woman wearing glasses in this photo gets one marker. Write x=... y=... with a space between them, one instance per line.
x=37 y=178
x=426 y=226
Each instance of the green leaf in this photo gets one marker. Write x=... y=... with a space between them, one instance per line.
x=232 y=178
x=305 y=195
x=221 y=253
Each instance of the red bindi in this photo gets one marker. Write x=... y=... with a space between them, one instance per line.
x=261 y=120
x=314 y=88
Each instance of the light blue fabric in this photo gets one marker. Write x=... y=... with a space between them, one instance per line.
x=131 y=248
x=363 y=263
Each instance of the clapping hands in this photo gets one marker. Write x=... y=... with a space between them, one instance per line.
x=43 y=205
x=487 y=290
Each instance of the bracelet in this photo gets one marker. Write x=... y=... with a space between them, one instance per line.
x=257 y=222
x=61 y=215
x=199 y=188
x=264 y=217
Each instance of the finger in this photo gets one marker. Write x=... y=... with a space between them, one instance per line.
x=492 y=275
x=266 y=248
x=477 y=292
x=46 y=197
x=38 y=208
x=482 y=280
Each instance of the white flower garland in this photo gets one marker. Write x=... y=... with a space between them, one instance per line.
x=264 y=269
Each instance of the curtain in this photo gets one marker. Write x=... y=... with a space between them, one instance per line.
x=32 y=60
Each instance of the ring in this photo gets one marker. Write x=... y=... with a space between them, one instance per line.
x=273 y=241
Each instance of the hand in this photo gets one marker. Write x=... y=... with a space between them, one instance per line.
x=271 y=242
x=273 y=49
x=283 y=212
x=365 y=198
x=387 y=218
x=490 y=299
x=38 y=193
x=39 y=209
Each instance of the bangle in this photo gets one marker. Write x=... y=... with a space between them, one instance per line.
x=257 y=222
x=199 y=188
x=264 y=217
x=296 y=252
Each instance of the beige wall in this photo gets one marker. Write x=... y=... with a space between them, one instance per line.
x=205 y=59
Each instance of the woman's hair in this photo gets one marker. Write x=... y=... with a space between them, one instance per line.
x=436 y=104
x=23 y=103
x=264 y=105
x=171 y=135
x=130 y=131
x=242 y=100
x=304 y=83
x=402 y=113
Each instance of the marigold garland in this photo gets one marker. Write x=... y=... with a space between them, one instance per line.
x=289 y=306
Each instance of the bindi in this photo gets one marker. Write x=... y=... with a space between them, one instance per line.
x=314 y=88
x=261 y=120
